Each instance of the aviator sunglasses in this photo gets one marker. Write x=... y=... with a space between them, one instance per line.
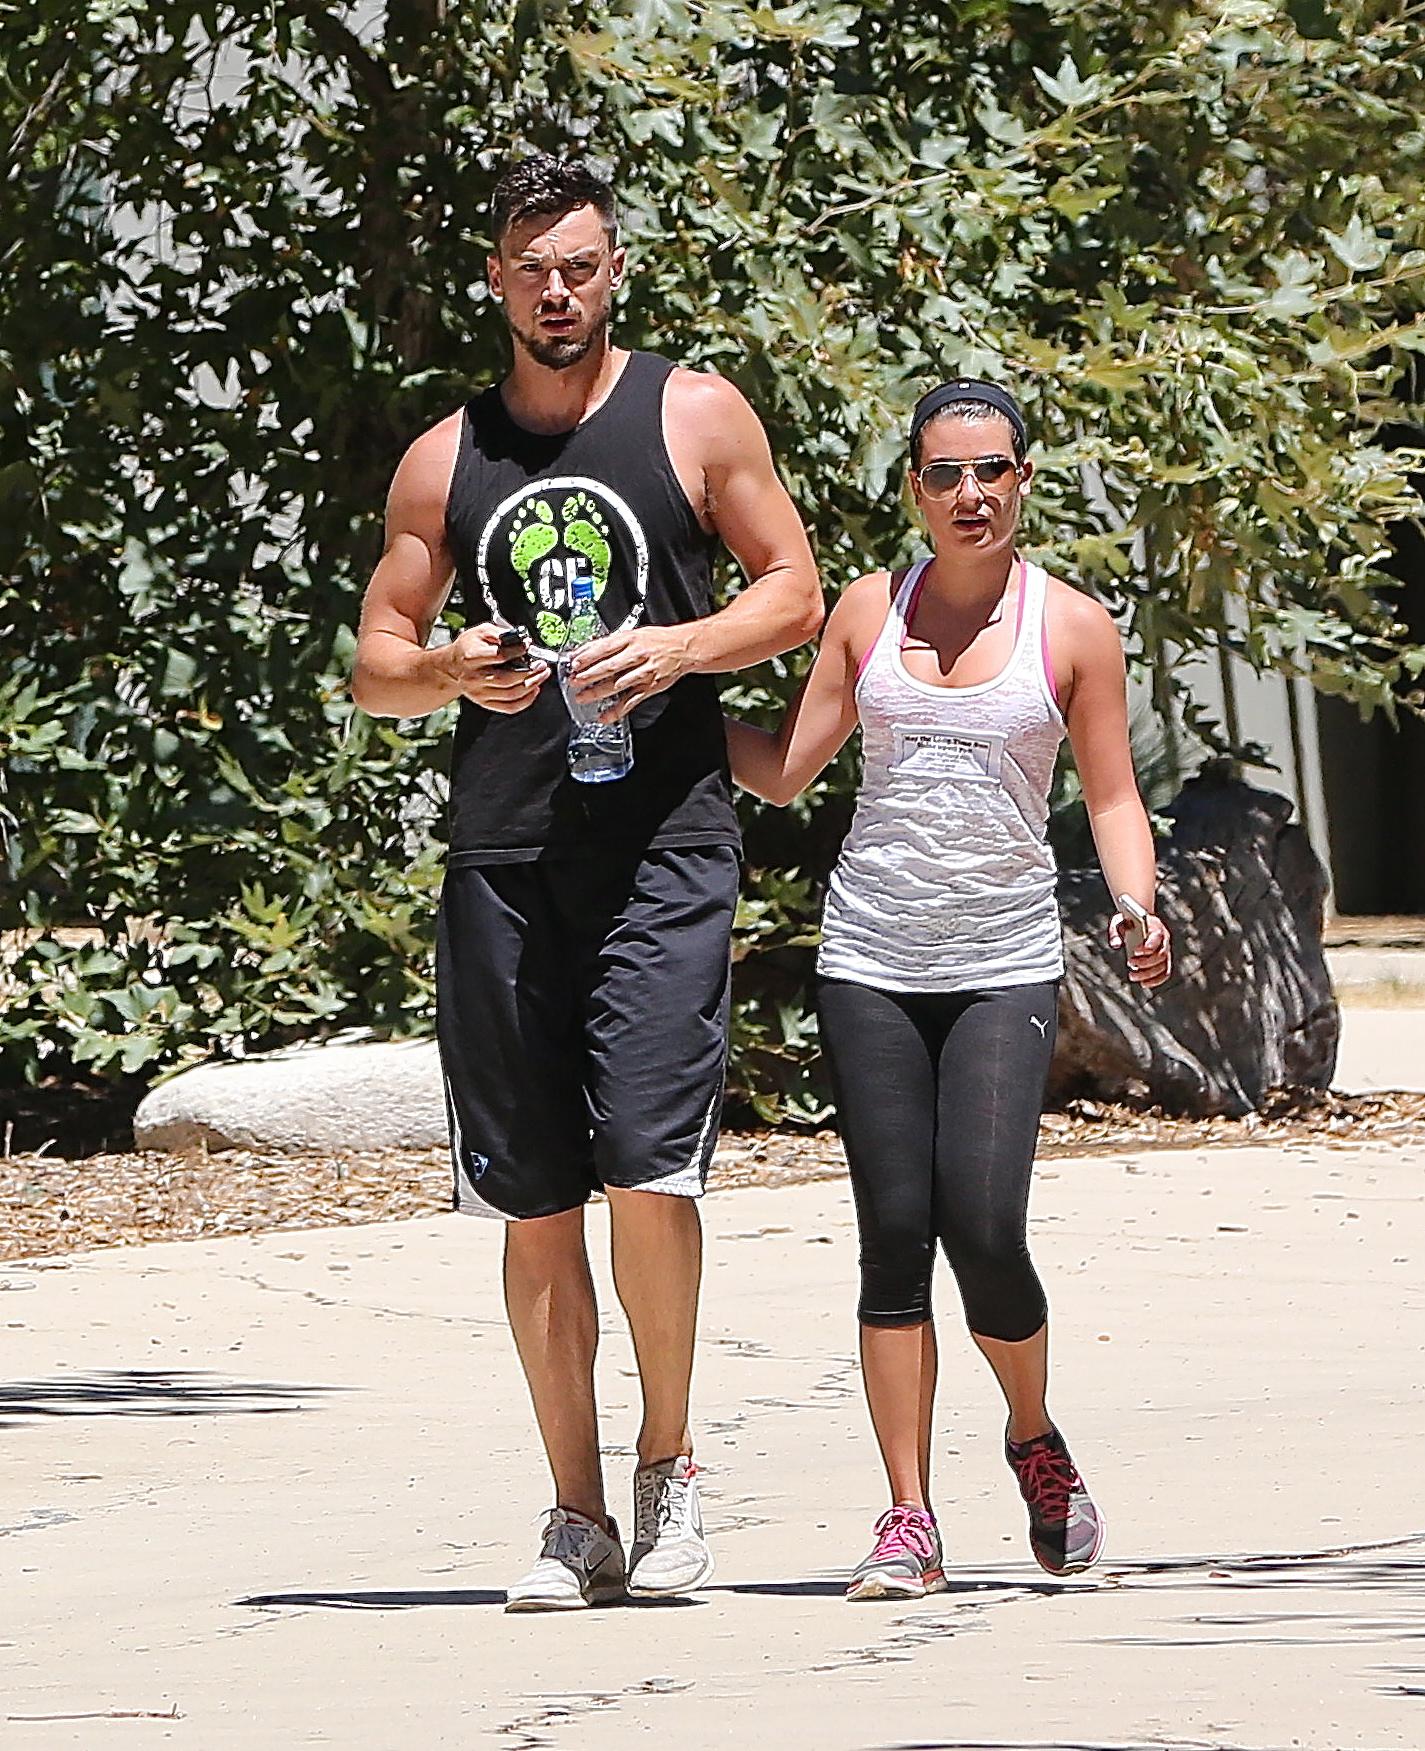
x=938 y=480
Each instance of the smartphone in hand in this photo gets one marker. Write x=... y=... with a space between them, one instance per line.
x=1135 y=925
x=514 y=647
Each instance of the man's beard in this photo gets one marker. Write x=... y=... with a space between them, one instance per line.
x=559 y=352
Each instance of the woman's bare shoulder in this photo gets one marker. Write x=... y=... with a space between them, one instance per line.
x=861 y=609
x=1074 y=607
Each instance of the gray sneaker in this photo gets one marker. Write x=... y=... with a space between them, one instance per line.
x=906 y=1561
x=1065 y=1528
x=670 y=1554
x=579 y=1565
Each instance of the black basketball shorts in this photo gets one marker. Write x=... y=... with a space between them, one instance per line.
x=582 y=1014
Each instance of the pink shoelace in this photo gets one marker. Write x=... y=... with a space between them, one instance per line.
x=904 y=1531
x=1047 y=1480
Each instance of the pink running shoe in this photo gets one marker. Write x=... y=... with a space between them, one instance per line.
x=906 y=1561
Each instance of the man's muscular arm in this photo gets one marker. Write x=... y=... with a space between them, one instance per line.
x=394 y=674
x=750 y=509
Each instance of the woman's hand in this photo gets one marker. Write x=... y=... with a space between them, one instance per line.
x=1151 y=964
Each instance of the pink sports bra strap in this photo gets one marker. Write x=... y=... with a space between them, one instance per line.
x=913 y=576
x=1044 y=656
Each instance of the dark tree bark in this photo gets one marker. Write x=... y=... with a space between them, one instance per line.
x=1249 y=1007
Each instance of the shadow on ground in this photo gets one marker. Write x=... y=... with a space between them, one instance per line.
x=148 y=1392
x=1056 y=1745
x=398 y=1599
x=1354 y=1569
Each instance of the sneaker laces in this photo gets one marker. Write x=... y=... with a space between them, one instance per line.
x=1047 y=1480
x=903 y=1531
x=564 y=1537
x=663 y=1500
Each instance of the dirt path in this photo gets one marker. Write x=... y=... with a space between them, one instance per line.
x=55 y=1206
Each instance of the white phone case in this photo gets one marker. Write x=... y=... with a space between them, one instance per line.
x=1135 y=924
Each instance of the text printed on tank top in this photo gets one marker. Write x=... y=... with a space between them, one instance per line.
x=972 y=757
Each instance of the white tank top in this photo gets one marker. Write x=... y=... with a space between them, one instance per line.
x=946 y=881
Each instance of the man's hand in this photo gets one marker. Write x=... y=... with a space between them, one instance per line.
x=476 y=665
x=628 y=667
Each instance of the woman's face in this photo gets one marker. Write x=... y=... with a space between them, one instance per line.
x=971 y=515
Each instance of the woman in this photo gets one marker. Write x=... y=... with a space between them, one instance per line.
x=941 y=951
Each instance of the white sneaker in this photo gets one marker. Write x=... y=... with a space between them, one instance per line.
x=579 y=1564
x=669 y=1554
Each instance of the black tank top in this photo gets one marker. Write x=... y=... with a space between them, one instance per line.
x=522 y=507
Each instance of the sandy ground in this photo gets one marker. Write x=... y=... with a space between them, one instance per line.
x=265 y=1491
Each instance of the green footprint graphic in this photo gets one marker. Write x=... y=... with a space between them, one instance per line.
x=581 y=529
x=587 y=532
x=532 y=537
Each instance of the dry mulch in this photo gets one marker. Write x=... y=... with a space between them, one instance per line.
x=55 y=1206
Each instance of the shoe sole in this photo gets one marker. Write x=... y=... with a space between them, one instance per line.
x=882 y=1586
x=642 y=1590
x=605 y=1597
x=1078 y=1567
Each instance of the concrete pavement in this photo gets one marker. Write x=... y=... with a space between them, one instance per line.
x=266 y=1491
x=1380 y=1049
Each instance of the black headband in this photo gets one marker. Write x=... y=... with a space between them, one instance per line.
x=967 y=389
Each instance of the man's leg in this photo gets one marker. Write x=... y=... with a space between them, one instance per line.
x=519 y=1138
x=550 y=1297
x=655 y=1030
x=657 y=1260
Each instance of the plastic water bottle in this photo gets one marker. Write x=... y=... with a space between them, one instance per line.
x=597 y=752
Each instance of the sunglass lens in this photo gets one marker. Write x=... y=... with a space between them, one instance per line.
x=993 y=468
x=941 y=478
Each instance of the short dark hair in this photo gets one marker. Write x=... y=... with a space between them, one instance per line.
x=543 y=184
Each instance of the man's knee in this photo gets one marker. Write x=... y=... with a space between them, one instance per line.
x=634 y=1208
x=533 y=1240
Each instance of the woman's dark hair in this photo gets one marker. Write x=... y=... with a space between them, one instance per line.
x=970 y=398
x=544 y=185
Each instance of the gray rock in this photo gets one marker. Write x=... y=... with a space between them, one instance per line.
x=1250 y=1006
x=328 y=1096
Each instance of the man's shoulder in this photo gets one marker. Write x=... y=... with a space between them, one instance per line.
x=423 y=477
x=704 y=392
x=434 y=451
x=441 y=438
x=713 y=418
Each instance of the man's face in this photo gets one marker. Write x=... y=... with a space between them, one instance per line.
x=557 y=278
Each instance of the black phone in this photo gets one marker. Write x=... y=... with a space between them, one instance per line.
x=515 y=645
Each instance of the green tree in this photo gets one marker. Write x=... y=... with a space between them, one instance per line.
x=244 y=266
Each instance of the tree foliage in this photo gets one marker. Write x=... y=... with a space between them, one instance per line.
x=244 y=267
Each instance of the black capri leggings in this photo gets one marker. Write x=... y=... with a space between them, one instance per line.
x=939 y=1096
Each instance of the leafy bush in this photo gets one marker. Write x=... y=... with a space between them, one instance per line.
x=244 y=269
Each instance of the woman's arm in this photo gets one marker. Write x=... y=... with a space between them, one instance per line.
x=1097 y=719
x=777 y=764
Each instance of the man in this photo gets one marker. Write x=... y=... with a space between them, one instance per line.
x=583 y=947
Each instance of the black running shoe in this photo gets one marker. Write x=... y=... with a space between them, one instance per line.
x=1065 y=1528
